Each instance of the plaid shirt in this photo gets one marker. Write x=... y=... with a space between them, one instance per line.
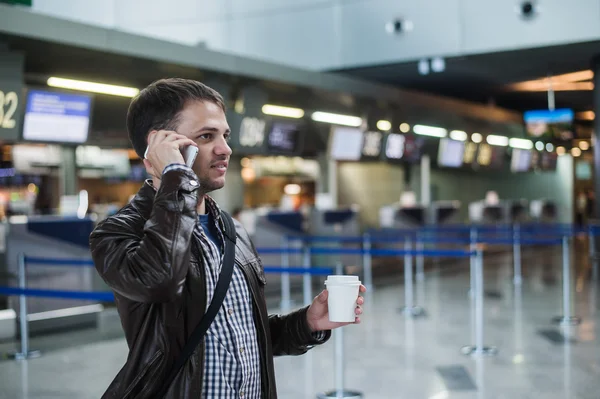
x=232 y=354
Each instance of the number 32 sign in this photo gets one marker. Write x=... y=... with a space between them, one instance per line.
x=9 y=102
x=10 y=110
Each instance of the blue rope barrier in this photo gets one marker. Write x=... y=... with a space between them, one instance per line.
x=30 y=260
x=88 y=296
x=347 y=239
x=442 y=240
x=533 y=241
x=425 y=252
x=336 y=251
x=319 y=271
x=383 y=240
x=505 y=241
x=275 y=250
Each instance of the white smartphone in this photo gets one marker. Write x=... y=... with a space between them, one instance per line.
x=189 y=154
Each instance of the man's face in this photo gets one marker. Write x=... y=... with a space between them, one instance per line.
x=205 y=123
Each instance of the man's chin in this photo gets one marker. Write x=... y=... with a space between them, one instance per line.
x=212 y=184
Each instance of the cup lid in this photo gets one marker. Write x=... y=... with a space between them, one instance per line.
x=342 y=280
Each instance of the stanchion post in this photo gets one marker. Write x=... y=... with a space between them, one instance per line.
x=25 y=353
x=518 y=278
x=408 y=279
x=409 y=309
x=339 y=363
x=420 y=259
x=479 y=349
x=367 y=262
x=286 y=302
x=566 y=319
x=593 y=256
x=473 y=247
x=307 y=279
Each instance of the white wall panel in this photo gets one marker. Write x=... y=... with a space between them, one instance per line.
x=283 y=6
x=332 y=34
x=99 y=13
x=495 y=24
x=365 y=41
x=306 y=39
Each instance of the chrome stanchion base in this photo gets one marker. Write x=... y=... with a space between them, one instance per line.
x=415 y=311
x=472 y=350
x=567 y=321
x=340 y=394
x=24 y=356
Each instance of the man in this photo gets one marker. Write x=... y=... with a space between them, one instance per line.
x=162 y=254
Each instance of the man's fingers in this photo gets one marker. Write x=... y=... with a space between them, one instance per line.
x=184 y=142
x=360 y=300
x=322 y=297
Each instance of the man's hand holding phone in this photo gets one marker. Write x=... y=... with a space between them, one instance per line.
x=164 y=148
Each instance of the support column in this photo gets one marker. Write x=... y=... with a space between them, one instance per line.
x=68 y=172
x=596 y=133
x=425 y=181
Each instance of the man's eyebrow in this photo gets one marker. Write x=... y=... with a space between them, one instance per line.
x=210 y=129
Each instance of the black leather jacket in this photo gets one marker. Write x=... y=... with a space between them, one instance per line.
x=144 y=254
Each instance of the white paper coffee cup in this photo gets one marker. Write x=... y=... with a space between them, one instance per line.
x=341 y=300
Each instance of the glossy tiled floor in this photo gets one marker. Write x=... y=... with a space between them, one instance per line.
x=390 y=356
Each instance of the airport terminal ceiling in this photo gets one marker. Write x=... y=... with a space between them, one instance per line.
x=485 y=78
x=54 y=59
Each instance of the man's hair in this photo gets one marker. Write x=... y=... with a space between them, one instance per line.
x=157 y=107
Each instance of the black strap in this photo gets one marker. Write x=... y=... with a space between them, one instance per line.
x=215 y=304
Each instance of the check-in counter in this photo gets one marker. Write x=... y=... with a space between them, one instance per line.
x=482 y=213
x=544 y=211
x=518 y=211
x=402 y=217
x=445 y=212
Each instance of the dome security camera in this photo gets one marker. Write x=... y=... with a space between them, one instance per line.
x=528 y=9
x=398 y=26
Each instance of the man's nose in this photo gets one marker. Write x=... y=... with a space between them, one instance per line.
x=223 y=148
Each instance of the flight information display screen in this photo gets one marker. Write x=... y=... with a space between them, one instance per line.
x=57 y=117
x=284 y=138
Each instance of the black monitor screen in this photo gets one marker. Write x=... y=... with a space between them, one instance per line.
x=372 y=145
x=490 y=156
x=284 y=138
x=451 y=153
x=521 y=160
x=470 y=154
x=403 y=148
x=549 y=161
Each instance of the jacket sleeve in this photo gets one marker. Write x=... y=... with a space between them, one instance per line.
x=147 y=260
x=292 y=336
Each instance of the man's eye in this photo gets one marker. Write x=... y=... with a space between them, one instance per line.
x=227 y=137
x=206 y=136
